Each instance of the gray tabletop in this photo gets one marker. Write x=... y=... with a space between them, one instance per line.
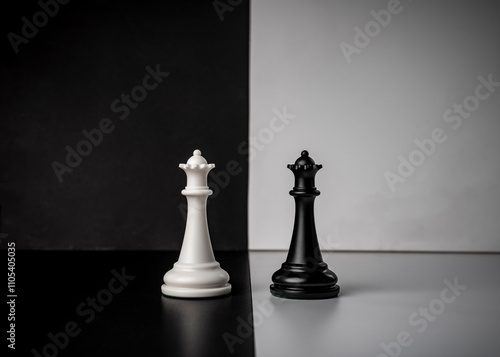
x=390 y=304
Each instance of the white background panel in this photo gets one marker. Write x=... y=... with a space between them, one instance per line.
x=357 y=118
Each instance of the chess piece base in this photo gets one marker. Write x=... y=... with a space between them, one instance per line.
x=305 y=293
x=175 y=291
x=191 y=280
x=301 y=281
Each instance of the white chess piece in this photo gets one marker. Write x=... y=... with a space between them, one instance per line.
x=196 y=274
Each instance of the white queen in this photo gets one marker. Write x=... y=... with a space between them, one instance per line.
x=196 y=274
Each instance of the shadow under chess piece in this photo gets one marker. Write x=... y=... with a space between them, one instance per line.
x=304 y=275
x=197 y=274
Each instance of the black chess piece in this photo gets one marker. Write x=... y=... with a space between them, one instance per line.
x=304 y=275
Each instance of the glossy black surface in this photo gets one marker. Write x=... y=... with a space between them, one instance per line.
x=138 y=320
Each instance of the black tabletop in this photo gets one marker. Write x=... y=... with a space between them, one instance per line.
x=104 y=303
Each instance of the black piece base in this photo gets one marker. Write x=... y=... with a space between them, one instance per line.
x=302 y=281
x=305 y=293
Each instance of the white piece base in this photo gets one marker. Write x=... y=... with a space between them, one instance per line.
x=189 y=280
x=176 y=291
